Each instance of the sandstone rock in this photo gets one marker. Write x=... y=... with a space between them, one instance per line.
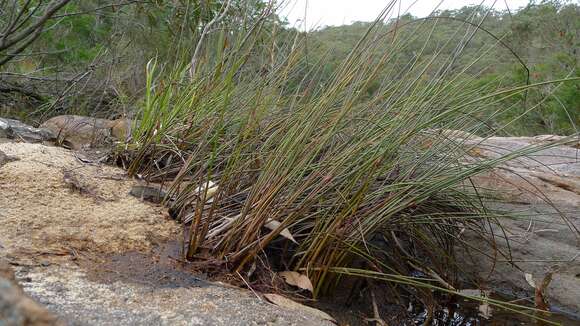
x=542 y=192
x=550 y=175
x=6 y=271
x=4 y=129
x=78 y=131
x=16 y=308
x=76 y=296
x=51 y=201
x=17 y=130
x=121 y=129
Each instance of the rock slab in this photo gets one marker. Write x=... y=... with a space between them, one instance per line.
x=541 y=193
x=16 y=308
x=14 y=129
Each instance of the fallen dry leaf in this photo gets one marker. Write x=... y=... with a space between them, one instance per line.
x=212 y=189
x=273 y=225
x=530 y=279
x=540 y=299
x=299 y=280
x=293 y=305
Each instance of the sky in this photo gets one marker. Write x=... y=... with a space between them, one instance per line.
x=339 y=12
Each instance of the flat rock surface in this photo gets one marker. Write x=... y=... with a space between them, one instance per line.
x=67 y=291
x=551 y=175
x=541 y=192
x=60 y=214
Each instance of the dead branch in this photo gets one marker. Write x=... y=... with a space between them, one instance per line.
x=206 y=30
x=16 y=36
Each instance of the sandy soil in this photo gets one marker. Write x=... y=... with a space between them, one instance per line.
x=52 y=203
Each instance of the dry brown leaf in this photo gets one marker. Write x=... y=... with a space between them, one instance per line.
x=211 y=191
x=540 y=299
x=299 y=280
x=293 y=305
x=273 y=225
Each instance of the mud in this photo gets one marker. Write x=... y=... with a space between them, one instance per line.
x=161 y=268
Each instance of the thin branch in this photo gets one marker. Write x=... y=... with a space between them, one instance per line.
x=224 y=9
x=25 y=20
x=112 y=5
x=10 y=28
x=21 y=48
x=34 y=28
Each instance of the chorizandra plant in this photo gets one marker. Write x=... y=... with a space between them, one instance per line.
x=360 y=174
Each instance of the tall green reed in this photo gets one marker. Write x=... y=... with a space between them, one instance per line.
x=360 y=163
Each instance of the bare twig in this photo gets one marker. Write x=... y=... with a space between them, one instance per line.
x=206 y=30
x=15 y=37
x=38 y=25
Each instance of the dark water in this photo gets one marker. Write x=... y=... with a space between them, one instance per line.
x=499 y=318
x=467 y=314
x=459 y=313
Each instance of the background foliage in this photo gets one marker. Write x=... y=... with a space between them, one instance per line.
x=545 y=36
x=105 y=45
